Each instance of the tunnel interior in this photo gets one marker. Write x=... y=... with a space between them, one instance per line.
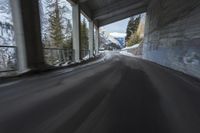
x=171 y=34
x=157 y=93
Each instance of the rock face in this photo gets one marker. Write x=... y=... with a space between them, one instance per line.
x=172 y=35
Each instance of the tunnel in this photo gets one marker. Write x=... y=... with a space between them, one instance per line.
x=105 y=93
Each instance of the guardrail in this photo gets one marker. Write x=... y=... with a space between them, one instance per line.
x=8 y=58
x=58 y=56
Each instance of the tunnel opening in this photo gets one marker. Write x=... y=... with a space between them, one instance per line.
x=166 y=38
x=124 y=34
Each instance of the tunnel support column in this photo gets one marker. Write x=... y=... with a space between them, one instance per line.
x=32 y=34
x=76 y=32
x=19 y=36
x=97 y=41
x=91 y=38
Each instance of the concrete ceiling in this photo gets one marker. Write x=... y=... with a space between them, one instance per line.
x=104 y=12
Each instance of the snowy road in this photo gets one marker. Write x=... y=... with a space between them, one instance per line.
x=118 y=94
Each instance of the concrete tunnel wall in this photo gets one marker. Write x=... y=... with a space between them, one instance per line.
x=172 y=35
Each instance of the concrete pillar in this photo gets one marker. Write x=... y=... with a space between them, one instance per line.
x=32 y=34
x=19 y=36
x=97 y=41
x=91 y=37
x=76 y=31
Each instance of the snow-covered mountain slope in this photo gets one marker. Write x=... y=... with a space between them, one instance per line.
x=6 y=24
x=106 y=39
x=5 y=12
x=120 y=37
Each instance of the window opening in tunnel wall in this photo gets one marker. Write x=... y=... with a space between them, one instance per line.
x=84 y=46
x=8 y=50
x=56 y=30
x=126 y=35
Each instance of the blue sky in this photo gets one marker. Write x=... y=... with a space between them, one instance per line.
x=119 y=26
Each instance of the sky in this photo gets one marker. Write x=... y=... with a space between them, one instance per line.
x=119 y=26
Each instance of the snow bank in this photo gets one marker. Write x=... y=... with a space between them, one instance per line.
x=86 y=57
x=132 y=47
x=127 y=53
x=107 y=55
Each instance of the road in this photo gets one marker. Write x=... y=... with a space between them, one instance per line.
x=118 y=94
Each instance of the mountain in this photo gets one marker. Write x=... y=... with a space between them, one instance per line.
x=120 y=37
x=108 y=42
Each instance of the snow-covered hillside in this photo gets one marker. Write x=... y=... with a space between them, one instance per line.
x=6 y=24
x=7 y=55
x=120 y=37
x=5 y=12
x=108 y=40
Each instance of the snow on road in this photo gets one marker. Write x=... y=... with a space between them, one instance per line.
x=126 y=53
x=107 y=55
x=132 y=47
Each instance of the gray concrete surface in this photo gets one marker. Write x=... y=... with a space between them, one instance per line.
x=115 y=95
x=104 y=12
x=32 y=34
x=173 y=35
x=19 y=36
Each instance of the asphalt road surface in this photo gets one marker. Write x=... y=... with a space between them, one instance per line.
x=118 y=94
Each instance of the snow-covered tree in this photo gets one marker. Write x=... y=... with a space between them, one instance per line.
x=56 y=25
x=56 y=30
x=7 y=37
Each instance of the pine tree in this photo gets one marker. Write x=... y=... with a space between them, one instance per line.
x=132 y=37
x=129 y=28
x=56 y=26
x=68 y=33
x=136 y=24
x=56 y=32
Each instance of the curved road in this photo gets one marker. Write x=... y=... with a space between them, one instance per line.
x=118 y=94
